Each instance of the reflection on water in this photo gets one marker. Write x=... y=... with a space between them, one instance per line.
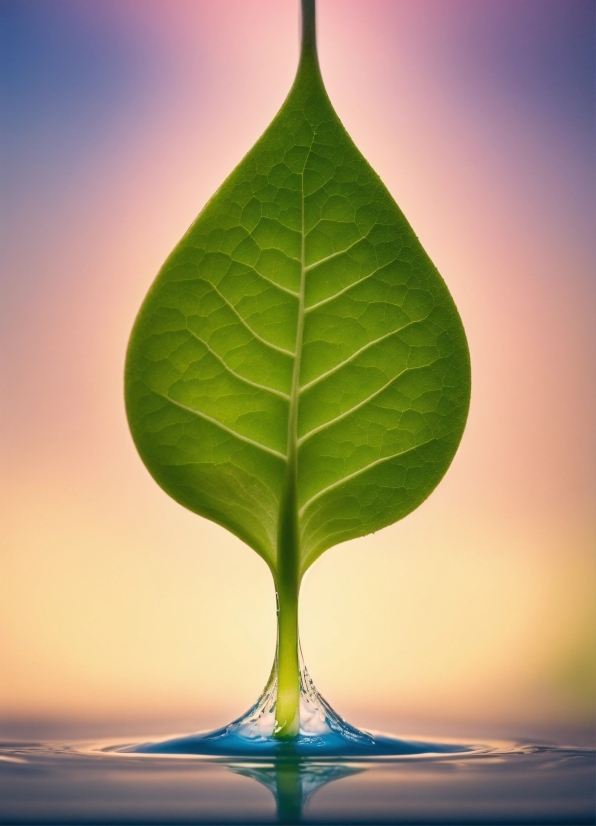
x=45 y=783
x=292 y=780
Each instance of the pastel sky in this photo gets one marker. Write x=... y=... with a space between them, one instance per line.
x=121 y=118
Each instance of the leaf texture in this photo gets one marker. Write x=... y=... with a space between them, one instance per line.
x=299 y=329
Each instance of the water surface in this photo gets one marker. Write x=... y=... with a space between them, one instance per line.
x=483 y=783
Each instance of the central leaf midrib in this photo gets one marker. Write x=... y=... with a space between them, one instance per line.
x=289 y=551
x=295 y=390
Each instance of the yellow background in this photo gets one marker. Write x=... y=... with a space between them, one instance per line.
x=120 y=610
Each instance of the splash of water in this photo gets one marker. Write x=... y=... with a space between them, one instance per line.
x=322 y=733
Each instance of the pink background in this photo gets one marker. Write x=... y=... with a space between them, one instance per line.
x=120 y=610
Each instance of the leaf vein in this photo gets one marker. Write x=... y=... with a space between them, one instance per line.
x=349 y=287
x=245 y=323
x=359 y=472
x=362 y=349
x=275 y=284
x=207 y=418
x=234 y=373
x=360 y=404
x=333 y=255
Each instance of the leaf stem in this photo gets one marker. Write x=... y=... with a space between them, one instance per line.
x=288 y=574
x=308 y=48
x=287 y=583
x=287 y=708
x=309 y=32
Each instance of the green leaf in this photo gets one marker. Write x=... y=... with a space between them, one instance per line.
x=299 y=331
x=298 y=372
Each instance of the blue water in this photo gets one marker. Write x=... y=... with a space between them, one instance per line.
x=226 y=742
x=110 y=782
x=332 y=773
x=323 y=733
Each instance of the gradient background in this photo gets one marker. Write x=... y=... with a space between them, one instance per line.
x=122 y=612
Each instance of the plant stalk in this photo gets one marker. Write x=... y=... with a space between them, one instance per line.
x=287 y=575
x=287 y=583
x=309 y=32
x=287 y=709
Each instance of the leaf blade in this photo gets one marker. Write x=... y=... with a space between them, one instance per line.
x=325 y=342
